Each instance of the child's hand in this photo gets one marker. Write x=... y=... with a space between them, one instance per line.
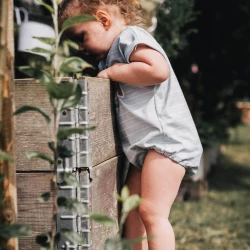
x=103 y=74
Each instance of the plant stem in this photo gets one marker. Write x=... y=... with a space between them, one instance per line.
x=55 y=22
x=122 y=221
x=56 y=105
x=55 y=186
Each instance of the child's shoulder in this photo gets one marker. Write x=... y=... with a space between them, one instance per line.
x=134 y=30
x=130 y=37
x=135 y=33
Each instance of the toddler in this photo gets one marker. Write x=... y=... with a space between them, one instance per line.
x=158 y=134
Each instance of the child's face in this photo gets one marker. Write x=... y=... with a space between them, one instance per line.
x=93 y=39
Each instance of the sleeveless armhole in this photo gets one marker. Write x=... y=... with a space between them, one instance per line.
x=132 y=36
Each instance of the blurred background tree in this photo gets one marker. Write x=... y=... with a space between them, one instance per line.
x=172 y=29
x=207 y=44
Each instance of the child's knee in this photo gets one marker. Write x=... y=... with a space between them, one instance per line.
x=150 y=214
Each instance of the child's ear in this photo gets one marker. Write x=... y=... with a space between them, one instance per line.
x=104 y=18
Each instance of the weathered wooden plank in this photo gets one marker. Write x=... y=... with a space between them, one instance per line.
x=38 y=215
x=105 y=184
x=104 y=139
x=30 y=211
x=32 y=131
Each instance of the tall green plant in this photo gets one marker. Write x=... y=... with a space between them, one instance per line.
x=64 y=95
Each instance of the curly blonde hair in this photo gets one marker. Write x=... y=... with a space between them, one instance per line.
x=130 y=9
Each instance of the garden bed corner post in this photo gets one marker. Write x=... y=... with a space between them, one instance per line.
x=8 y=211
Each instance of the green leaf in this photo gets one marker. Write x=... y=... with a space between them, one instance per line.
x=131 y=202
x=61 y=90
x=57 y=238
x=2 y=177
x=71 y=93
x=4 y=156
x=112 y=244
x=137 y=240
x=75 y=20
x=41 y=75
x=67 y=44
x=118 y=197
x=43 y=239
x=124 y=193
x=126 y=245
x=65 y=49
x=73 y=100
x=61 y=201
x=1 y=201
x=36 y=154
x=16 y=230
x=42 y=50
x=64 y=133
x=47 y=40
x=72 y=44
x=26 y=108
x=48 y=7
x=103 y=219
x=72 y=205
x=64 y=152
x=44 y=197
x=73 y=236
x=69 y=179
x=73 y=65
x=51 y=146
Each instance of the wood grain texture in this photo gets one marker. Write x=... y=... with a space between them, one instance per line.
x=32 y=132
x=104 y=139
x=104 y=186
x=30 y=211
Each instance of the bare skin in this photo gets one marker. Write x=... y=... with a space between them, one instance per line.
x=134 y=227
x=158 y=184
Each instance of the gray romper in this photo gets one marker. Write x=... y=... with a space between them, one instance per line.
x=153 y=117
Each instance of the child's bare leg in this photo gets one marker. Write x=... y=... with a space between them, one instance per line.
x=160 y=181
x=134 y=226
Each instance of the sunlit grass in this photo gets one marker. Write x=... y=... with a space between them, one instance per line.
x=221 y=219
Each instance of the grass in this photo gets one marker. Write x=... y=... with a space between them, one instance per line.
x=221 y=219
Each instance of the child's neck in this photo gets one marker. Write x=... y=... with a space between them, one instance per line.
x=117 y=26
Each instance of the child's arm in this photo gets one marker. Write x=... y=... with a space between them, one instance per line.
x=147 y=67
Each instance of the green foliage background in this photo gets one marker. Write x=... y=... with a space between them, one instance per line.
x=172 y=31
x=213 y=35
